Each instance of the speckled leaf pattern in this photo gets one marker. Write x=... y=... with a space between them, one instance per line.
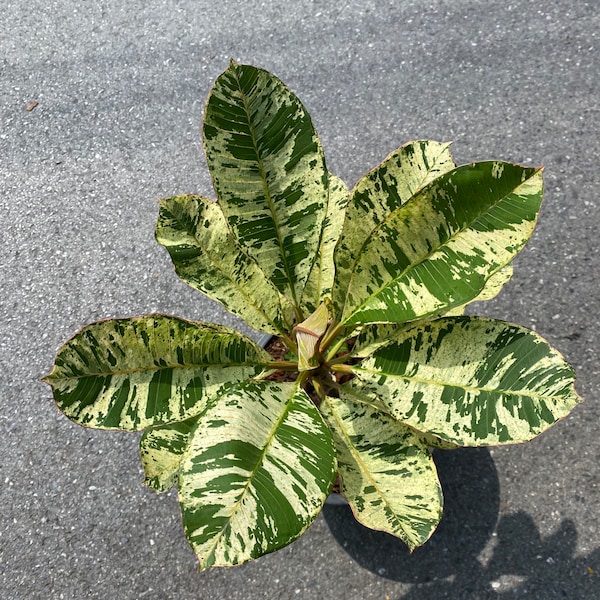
x=161 y=451
x=256 y=473
x=379 y=193
x=136 y=373
x=472 y=381
x=387 y=474
x=438 y=249
x=269 y=173
x=206 y=256
x=354 y=391
x=320 y=282
x=371 y=337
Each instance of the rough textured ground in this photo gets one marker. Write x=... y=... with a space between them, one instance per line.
x=120 y=88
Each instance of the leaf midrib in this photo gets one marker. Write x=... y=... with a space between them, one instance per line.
x=259 y=462
x=53 y=377
x=467 y=388
x=267 y=192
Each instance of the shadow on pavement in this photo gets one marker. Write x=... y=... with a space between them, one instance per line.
x=448 y=566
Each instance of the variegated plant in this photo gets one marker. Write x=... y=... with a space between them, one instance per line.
x=366 y=289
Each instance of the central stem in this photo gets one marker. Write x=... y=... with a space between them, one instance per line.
x=334 y=331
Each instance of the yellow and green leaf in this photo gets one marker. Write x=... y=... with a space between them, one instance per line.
x=438 y=249
x=493 y=286
x=136 y=373
x=161 y=451
x=372 y=336
x=471 y=381
x=379 y=193
x=387 y=473
x=320 y=282
x=269 y=173
x=256 y=472
x=207 y=257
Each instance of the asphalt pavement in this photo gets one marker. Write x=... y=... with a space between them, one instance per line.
x=100 y=113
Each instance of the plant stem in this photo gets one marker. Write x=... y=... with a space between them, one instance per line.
x=331 y=335
x=341 y=368
x=319 y=389
x=303 y=378
x=337 y=360
x=334 y=350
x=281 y=365
x=299 y=315
x=289 y=342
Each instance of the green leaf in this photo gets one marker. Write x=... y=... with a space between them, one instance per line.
x=387 y=474
x=432 y=441
x=437 y=250
x=373 y=336
x=256 y=473
x=379 y=193
x=471 y=381
x=269 y=173
x=320 y=282
x=207 y=257
x=136 y=373
x=355 y=391
x=161 y=451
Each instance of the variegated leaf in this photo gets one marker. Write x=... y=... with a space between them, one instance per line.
x=433 y=441
x=387 y=474
x=379 y=193
x=375 y=335
x=161 y=451
x=256 y=473
x=472 y=381
x=355 y=391
x=320 y=282
x=493 y=286
x=269 y=173
x=371 y=337
x=206 y=256
x=136 y=373
x=437 y=251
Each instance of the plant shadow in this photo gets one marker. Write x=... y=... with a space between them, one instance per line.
x=471 y=504
x=449 y=566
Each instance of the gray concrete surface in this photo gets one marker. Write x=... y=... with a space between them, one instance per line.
x=120 y=88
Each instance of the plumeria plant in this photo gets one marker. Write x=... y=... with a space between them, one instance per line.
x=365 y=289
